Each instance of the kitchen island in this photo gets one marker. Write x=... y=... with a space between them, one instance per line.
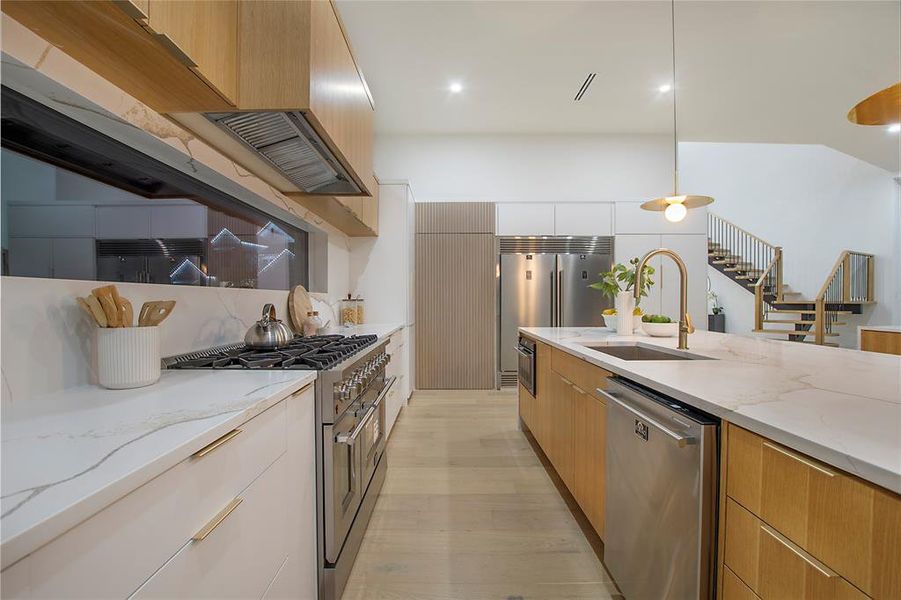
x=810 y=450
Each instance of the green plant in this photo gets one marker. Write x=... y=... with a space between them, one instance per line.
x=717 y=308
x=622 y=279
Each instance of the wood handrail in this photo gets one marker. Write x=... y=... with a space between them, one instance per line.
x=838 y=263
x=744 y=231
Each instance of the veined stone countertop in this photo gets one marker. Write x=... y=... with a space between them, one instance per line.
x=73 y=453
x=840 y=406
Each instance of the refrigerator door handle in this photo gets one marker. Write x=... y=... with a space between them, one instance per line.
x=553 y=299
x=560 y=322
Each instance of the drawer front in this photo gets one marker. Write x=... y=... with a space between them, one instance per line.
x=850 y=525
x=242 y=551
x=734 y=588
x=582 y=374
x=773 y=566
x=150 y=524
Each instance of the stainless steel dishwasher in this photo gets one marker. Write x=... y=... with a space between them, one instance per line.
x=661 y=499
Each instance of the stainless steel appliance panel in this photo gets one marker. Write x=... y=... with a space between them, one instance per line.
x=527 y=292
x=526 y=374
x=343 y=482
x=661 y=511
x=579 y=305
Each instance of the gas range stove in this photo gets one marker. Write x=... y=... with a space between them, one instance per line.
x=315 y=353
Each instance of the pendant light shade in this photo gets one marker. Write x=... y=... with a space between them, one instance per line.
x=676 y=206
x=882 y=108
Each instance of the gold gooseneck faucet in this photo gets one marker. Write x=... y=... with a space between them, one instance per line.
x=685 y=326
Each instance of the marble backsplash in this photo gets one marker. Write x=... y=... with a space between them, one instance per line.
x=47 y=342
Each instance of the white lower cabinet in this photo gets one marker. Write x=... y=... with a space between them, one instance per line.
x=142 y=544
x=399 y=367
x=241 y=555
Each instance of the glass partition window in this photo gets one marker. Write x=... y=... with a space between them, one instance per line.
x=60 y=224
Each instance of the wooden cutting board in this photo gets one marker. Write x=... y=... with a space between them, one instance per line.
x=299 y=304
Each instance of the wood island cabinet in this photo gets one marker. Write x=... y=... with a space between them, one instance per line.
x=798 y=528
x=567 y=418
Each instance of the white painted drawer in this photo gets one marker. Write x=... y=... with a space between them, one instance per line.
x=110 y=554
x=241 y=555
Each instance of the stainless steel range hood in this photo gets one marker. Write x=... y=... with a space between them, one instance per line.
x=287 y=142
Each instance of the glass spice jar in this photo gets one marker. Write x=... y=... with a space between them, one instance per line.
x=360 y=311
x=348 y=311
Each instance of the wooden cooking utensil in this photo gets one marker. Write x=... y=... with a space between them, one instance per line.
x=99 y=317
x=113 y=302
x=96 y=310
x=109 y=309
x=155 y=312
x=126 y=313
x=299 y=304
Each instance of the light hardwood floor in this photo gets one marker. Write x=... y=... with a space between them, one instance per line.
x=468 y=512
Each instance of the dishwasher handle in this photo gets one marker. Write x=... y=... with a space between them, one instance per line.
x=681 y=440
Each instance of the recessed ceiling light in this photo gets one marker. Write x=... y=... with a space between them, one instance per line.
x=455 y=87
x=665 y=88
x=894 y=128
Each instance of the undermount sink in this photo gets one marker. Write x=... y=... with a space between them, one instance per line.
x=640 y=352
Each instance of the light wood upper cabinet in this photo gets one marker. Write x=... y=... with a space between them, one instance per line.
x=295 y=56
x=204 y=35
x=111 y=39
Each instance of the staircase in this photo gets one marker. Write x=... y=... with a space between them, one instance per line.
x=756 y=265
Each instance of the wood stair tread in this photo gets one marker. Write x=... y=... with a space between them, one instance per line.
x=831 y=344
x=806 y=312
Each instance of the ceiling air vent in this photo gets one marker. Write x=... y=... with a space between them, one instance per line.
x=288 y=142
x=585 y=85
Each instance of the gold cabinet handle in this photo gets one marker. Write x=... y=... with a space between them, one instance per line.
x=800 y=459
x=217 y=520
x=216 y=443
x=571 y=384
x=798 y=551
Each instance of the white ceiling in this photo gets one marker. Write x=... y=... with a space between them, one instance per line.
x=746 y=71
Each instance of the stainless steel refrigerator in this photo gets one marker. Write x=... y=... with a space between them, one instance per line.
x=544 y=283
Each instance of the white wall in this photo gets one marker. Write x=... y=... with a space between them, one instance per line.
x=811 y=200
x=527 y=168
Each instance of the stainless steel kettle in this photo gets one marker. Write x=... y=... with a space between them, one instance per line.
x=268 y=333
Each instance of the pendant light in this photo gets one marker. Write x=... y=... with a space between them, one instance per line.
x=675 y=207
x=882 y=108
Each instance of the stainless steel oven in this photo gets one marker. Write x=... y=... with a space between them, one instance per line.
x=526 y=350
x=343 y=489
x=371 y=440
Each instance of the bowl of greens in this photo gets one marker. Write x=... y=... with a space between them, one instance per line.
x=659 y=326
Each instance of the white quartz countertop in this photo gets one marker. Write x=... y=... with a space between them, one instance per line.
x=840 y=406
x=67 y=456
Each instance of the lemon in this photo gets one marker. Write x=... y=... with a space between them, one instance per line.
x=609 y=312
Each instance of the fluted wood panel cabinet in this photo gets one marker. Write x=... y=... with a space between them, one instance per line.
x=454 y=303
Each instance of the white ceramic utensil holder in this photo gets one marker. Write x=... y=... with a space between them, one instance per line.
x=128 y=357
x=625 y=304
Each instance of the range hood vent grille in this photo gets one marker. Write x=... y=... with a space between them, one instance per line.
x=556 y=245
x=288 y=142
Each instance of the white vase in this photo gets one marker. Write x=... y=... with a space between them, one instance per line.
x=625 y=304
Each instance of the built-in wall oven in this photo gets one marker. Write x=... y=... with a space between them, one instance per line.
x=526 y=351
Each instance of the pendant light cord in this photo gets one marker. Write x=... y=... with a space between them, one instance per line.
x=675 y=89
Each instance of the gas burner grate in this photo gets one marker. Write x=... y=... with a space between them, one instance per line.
x=311 y=353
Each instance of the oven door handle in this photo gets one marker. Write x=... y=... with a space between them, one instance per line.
x=525 y=353
x=351 y=438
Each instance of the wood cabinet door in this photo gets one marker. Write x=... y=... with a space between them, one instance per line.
x=589 y=430
x=848 y=524
x=542 y=413
x=339 y=97
x=203 y=34
x=776 y=568
x=526 y=407
x=562 y=441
